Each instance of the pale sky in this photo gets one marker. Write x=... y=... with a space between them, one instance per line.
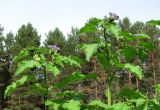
x=45 y=15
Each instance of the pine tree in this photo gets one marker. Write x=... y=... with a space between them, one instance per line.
x=72 y=41
x=27 y=36
x=4 y=70
x=55 y=37
x=125 y=24
x=9 y=42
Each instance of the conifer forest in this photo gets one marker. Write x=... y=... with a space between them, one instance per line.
x=108 y=64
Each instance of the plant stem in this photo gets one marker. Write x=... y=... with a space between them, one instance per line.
x=46 y=86
x=109 y=94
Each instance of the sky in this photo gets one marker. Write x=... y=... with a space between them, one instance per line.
x=45 y=15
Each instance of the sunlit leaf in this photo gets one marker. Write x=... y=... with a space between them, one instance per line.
x=115 y=31
x=36 y=57
x=25 y=65
x=141 y=104
x=137 y=70
x=89 y=50
x=72 y=105
x=141 y=36
x=52 y=68
x=71 y=61
x=121 y=106
x=154 y=104
x=157 y=87
x=100 y=104
x=16 y=84
x=60 y=60
x=130 y=37
x=21 y=55
x=90 y=26
x=53 y=104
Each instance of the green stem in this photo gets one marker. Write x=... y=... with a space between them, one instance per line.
x=104 y=32
x=109 y=99
x=46 y=86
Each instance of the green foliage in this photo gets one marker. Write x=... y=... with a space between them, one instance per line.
x=9 y=42
x=157 y=88
x=72 y=105
x=137 y=70
x=154 y=22
x=72 y=42
x=114 y=30
x=38 y=88
x=99 y=104
x=57 y=38
x=118 y=49
x=26 y=37
x=101 y=56
x=76 y=76
x=121 y=106
x=53 y=69
x=91 y=26
x=49 y=61
x=89 y=50
x=21 y=55
x=130 y=94
x=16 y=84
x=128 y=50
x=26 y=65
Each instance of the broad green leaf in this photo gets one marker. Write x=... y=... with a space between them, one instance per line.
x=89 y=50
x=126 y=35
x=53 y=105
x=130 y=94
x=25 y=65
x=114 y=30
x=38 y=88
x=36 y=57
x=141 y=104
x=100 y=104
x=48 y=102
x=73 y=78
x=53 y=69
x=42 y=59
x=154 y=22
x=72 y=105
x=73 y=62
x=153 y=104
x=60 y=60
x=16 y=84
x=137 y=70
x=103 y=59
x=141 y=36
x=90 y=26
x=129 y=53
x=157 y=87
x=130 y=37
x=21 y=55
x=121 y=106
